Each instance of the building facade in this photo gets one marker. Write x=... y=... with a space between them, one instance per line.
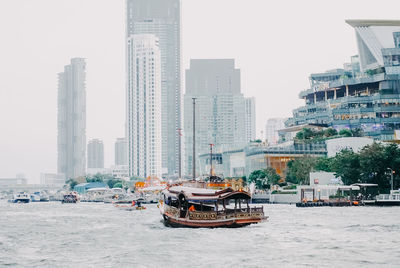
x=250 y=118
x=12 y=181
x=95 y=154
x=120 y=152
x=120 y=172
x=162 y=18
x=220 y=108
x=144 y=106
x=71 y=136
x=365 y=93
x=52 y=179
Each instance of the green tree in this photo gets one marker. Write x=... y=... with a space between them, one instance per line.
x=324 y=164
x=259 y=179
x=305 y=134
x=357 y=132
x=346 y=164
x=392 y=159
x=308 y=133
x=300 y=135
x=345 y=132
x=72 y=183
x=300 y=168
x=329 y=132
x=96 y=178
x=374 y=163
x=272 y=176
x=111 y=183
x=369 y=72
x=264 y=177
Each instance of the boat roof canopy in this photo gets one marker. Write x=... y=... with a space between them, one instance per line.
x=100 y=189
x=366 y=184
x=206 y=195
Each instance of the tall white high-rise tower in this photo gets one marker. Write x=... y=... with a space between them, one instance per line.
x=144 y=105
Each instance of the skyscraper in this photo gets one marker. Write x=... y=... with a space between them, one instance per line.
x=71 y=139
x=220 y=107
x=144 y=105
x=95 y=154
x=250 y=118
x=120 y=151
x=162 y=18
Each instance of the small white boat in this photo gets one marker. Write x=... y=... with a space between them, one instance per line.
x=35 y=197
x=21 y=197
x=44 y=197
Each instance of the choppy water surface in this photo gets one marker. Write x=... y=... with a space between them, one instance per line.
x=94 y=234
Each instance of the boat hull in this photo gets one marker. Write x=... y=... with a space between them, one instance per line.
x=171 y=221
x=22 y=200
x=383 y=203
x=69 y=202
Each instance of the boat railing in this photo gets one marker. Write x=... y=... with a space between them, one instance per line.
x=388 y=197
x=228 y=213
x=246 y=209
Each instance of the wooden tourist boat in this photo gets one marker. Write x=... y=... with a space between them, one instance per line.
x=183 y=206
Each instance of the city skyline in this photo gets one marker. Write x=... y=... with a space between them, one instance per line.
x=53 y=44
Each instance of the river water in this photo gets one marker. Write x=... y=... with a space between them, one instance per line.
x=99 y=235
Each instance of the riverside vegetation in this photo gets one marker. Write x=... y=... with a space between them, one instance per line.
x=373 y=164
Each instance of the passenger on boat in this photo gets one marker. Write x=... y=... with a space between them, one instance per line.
x=192 y=208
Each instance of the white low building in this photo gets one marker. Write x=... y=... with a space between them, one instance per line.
x=355 y=144
x=120 y=171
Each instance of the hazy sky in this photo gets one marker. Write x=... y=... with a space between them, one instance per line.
x=276 y=44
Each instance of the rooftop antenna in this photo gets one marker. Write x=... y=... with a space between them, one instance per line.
x=180 y=153
x=211 y=154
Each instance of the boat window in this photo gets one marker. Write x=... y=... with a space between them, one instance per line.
x=173 y=202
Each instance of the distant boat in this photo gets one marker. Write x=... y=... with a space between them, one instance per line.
x=129 y=204
x=35 y=197
x=194 y=207
x=71 y=197
x=114 y=194
x=21 y=197
x=44 y=197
